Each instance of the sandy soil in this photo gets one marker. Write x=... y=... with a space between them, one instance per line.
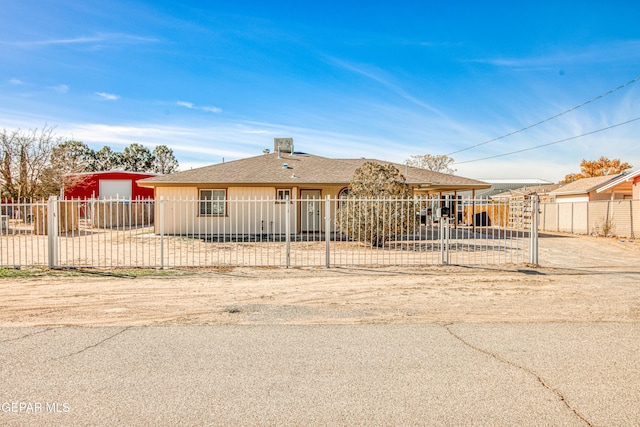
x=580 y=279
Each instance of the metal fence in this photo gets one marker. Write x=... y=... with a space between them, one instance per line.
x=619 y=218
x=266 y=232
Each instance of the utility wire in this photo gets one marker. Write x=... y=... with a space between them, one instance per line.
x=550 y=143
x=630 y=82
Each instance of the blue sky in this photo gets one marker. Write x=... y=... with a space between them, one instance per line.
x=382 y=80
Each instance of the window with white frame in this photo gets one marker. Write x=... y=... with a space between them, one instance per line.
x=283 y=194
x=212 y=202
x=342 y=196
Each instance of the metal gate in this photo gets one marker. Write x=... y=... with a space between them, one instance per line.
x=307 y=232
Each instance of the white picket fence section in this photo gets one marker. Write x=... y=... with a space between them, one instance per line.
x=266 y=233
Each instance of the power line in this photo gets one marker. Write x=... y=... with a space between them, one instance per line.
x=547 y=119
x=550 y=143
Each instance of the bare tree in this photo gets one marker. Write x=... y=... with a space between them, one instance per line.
x=68 y=160
x=25 y=161
x=441 y=163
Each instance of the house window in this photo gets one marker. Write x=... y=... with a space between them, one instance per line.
x=343 y=195
x=283 y=194
x=212 y=202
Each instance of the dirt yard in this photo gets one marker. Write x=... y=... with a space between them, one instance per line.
x=580 y=279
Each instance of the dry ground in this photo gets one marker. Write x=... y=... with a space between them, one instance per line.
x=580 y=279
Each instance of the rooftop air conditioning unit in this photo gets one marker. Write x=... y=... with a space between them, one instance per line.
x=283 y=145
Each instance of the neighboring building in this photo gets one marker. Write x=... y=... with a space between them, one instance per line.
x=303 y=178
x=625 y=187
x=584 y=190
x=499 y=186
x=524 y=193
x=108 y=185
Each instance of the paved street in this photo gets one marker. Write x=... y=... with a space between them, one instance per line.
x=572 y=374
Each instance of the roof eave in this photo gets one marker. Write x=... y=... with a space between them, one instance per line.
x=620 y=180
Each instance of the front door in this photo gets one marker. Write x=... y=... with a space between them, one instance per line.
x=310 y=210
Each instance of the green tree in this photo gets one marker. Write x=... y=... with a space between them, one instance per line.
x=441 y=163
x=72 y=156
x=136 y=158
x=164 y=162
x=378 y=207
x=105 y=159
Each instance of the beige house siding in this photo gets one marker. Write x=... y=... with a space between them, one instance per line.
x=246 y=213
x=592 y=196
x=572 y=198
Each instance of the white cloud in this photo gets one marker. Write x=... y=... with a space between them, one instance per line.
x=192 y=106
x=115 y=38
x=16 y=82
x=376 y=76
x=60 y=88
x=598 y=53
x=107 y=96
x=212 y=109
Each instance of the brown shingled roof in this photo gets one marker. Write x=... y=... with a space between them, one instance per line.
x=584 y=185
x=303 y=169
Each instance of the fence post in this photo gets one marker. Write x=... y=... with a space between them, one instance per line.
x=443 y=224
x=447 y=235
x=287 y=226
x=533 y=247
x=161 y=212
x=327 y=229
x=52 y=230
x=572 y=215
x=632 y=234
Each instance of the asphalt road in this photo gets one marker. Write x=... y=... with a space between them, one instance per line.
x=570 y=374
